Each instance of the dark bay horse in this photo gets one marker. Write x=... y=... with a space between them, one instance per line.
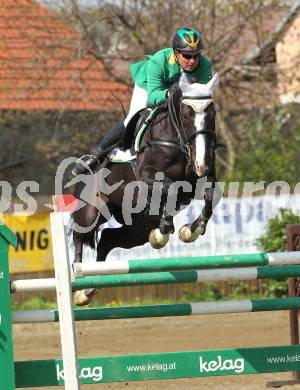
x=175 y=163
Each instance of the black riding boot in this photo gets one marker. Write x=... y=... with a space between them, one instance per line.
x=113 y=136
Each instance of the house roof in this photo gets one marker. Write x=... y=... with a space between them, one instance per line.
x=41 y=65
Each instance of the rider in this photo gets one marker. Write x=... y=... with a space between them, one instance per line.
x=154 y=77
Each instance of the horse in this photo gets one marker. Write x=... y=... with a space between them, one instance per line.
x=175 y=157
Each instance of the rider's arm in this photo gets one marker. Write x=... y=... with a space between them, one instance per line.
x=157 y=90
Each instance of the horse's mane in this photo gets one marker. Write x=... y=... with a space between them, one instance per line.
x=173 y=104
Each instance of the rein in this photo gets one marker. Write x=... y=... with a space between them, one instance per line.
x=184 y=140
x=177 y=125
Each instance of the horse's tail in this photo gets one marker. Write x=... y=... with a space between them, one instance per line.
x=85 y=222
x=89 y=238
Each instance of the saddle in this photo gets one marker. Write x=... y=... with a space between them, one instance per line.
x=132 y=137
x=134 y=133
x=137 y=125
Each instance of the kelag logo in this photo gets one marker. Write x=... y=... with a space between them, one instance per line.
x=237 y=365
x=93 y=373
x=32 y=239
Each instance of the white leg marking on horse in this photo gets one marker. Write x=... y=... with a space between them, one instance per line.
x=186 y=235
x=157 y=239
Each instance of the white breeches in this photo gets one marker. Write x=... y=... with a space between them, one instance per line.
x=138 y=101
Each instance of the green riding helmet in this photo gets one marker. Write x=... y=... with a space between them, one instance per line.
x=187 y=39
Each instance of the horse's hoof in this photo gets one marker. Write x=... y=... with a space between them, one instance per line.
x=202 y=230
x=80 y=298
x=186 y=235
x=158 y=240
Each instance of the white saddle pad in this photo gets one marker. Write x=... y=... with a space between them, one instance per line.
x=118 y=155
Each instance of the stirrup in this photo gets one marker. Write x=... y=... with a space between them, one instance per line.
x=85 y=164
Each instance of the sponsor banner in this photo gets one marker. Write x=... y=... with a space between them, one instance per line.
x=34 y=250
x=233 y=228
x=169 y=365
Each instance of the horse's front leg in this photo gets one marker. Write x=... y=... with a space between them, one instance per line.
x=191 y=231
x=159 y=237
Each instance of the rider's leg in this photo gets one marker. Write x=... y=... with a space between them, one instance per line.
x=112 y=137
x=138 y=101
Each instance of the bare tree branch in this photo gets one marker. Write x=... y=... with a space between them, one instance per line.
x=12 y=164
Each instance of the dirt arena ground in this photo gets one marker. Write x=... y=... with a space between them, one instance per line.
x=96 y=338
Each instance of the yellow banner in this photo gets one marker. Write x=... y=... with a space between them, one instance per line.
x=34 y=252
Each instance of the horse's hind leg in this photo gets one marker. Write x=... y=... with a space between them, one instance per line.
x=83 y=297
x=88 y=216
x=78 y=249
x=126 y=237
x=85 y=224
x=123 y=237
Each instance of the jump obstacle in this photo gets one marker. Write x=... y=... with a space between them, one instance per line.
x=71 y=371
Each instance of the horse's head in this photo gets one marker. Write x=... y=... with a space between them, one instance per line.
x=198 y=122
x=195 y=122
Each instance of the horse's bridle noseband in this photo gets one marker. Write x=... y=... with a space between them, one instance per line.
x=185 y=140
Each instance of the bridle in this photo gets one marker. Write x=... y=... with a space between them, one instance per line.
x=184 y=139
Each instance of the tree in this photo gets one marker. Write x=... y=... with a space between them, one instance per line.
x=275 y=239
x=240 y=37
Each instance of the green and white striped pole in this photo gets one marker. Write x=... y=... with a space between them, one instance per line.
x=186 y=263
x=153 y=278
x=196 y=276
x=181 y=309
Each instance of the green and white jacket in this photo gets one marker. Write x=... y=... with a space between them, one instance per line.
x=160 y=71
